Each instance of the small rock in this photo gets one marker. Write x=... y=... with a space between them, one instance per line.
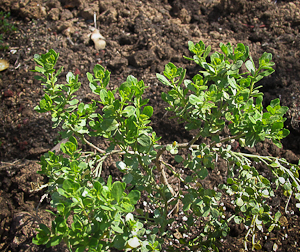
x=184 y=16
x=27 y=112
x=292 y=6
x=54 y=14
x=43 y=11
x=158 y=17
x=142 y=58
x=77 y=71
x=8 y=93
x=109 y=16
x=62 y=25
x=196 y=33
x=67 y=32
x=215 y=34
x=297 y=19
x=164 y=52
x=268 y=246
x=66 y=15
x=103 y=6
x=125 y=13
x=118 y=63
x=8 y=119
x=88 y=12
x=85 y=38
x=126 y=39
x=23 y=3
x=113 y=44
x=291 y=157
x=32 y=10
x=79 y=4
x=53 y=4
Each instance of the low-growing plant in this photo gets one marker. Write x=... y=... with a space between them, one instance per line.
x=5 y=28
x=95 y=213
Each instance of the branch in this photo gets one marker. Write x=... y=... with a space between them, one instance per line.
x=172 y=169
x=92 y=145
x=228 y=139
x=163 y=177
x=194 y=139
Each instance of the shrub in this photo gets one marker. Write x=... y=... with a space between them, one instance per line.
x=94 y=214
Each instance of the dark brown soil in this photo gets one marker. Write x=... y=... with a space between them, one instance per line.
x=142 y=36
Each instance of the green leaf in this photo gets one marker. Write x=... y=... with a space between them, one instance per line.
x=60 y=208
x=42 y=236
x=215 y=213
x=73 y=140
x=250 y=66
x=117 y=190
x=237 y=65
x=40 y=240
x=127 y=178
x=265 y=59
x=277 y=126
x=232 y=82
x=109 y=182
x=117 y=229
x=105 y=208
x=40 y=78
x=178 y=158
x=59 y=71
x=129 y=111
x=238 y=219
x=255 y=209
x=45 y=229
x=245 y=94
x=277 y=216
x=109 y=124
x=202 y=173
x=56 y=240
x=208 y=67
x=207 y=51
x=230 y=181
x=70 y=77
x=133 y=242
x=239 y=202
x=103 y=96
x=40 y=70
x=70 y=186
x=127 y=207
x=81 y=248
x=163 y=80
x=193 y=99
x=144 y=140
x=73 y=102
x=249 y=190
x=257 y=246
x=134 y=196
x=270 y=229
x=148 y=110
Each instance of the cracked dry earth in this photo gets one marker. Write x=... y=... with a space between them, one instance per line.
x=141 y=37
